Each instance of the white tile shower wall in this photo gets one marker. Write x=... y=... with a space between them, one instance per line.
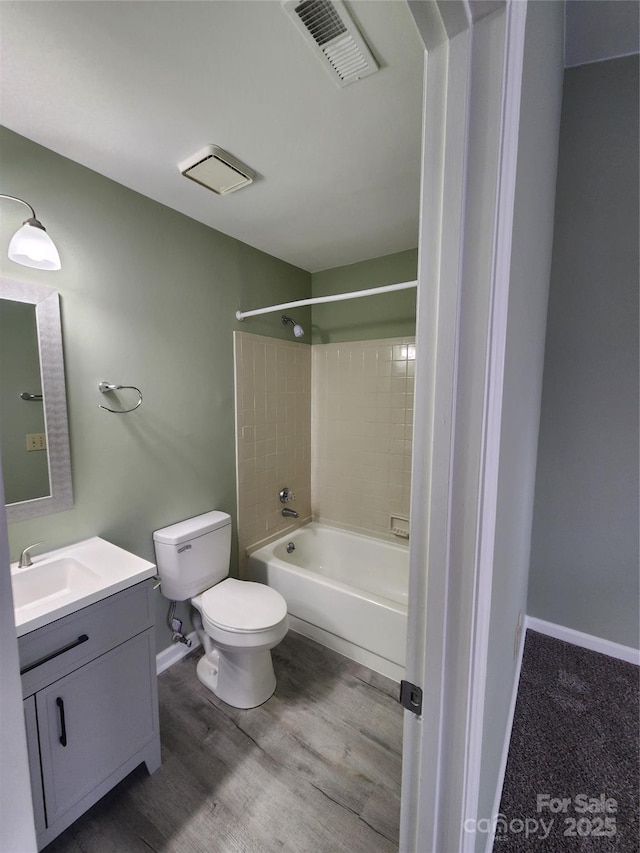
x=273 y=434
x=361 y=433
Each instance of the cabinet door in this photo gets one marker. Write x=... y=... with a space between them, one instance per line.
x=93 y=720
x=33 y=750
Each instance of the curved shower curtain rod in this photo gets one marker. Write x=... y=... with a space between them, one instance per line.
x=337 y=297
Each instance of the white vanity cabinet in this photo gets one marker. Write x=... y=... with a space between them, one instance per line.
x=91 y=708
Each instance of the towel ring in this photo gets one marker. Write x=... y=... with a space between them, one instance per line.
x=104 y=387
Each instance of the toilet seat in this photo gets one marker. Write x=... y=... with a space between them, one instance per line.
x=243 y=606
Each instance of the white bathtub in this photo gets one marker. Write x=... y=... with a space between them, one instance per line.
x=347 y=591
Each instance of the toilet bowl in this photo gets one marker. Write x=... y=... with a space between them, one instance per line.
x=238 y=622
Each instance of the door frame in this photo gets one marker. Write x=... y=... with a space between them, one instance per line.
x=17 y=822
x=473 y=79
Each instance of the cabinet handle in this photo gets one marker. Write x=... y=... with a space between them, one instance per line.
x=63 y=727
x=81 y=639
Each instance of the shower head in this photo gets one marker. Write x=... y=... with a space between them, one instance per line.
x=298 y=331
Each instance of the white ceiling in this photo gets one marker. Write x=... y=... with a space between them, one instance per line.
x=130 y=89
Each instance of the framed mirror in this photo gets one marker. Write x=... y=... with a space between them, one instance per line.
x=34 y=434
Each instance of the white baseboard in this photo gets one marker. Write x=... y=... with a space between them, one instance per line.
x=507 y=741
x=167 y=657
x=587 y=641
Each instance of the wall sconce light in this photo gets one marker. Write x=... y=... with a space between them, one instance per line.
x=31 y=246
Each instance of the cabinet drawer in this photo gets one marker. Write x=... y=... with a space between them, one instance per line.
x=52 y=651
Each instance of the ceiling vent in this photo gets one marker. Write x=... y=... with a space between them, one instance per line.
x=329 y=28
x=217 y=170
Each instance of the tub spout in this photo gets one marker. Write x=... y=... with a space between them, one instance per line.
x=290 y=513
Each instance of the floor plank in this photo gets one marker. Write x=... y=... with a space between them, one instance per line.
x=316 y=768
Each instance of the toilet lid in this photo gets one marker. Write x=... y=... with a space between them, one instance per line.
x=243 y=605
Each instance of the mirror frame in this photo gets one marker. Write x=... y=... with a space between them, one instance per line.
x=54 y=399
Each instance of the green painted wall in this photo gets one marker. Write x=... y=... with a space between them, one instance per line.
x=387 y=316
x=148 y=298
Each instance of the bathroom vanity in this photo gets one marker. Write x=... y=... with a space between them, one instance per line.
x=88 y=679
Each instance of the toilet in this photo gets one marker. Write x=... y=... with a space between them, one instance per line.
x=238 y=622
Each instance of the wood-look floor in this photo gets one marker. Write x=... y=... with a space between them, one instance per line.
x=316 y=768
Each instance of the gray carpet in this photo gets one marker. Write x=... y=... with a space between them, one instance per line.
x=575 y=739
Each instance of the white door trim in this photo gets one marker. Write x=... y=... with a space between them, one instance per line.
x=17 y=825
x=472 y=95
x=496 y=346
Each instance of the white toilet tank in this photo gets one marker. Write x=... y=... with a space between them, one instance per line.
x=193 y=555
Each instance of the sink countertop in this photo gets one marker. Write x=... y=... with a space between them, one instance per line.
x=110 y=570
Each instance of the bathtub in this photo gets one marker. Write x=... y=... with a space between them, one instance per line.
x=344 y=590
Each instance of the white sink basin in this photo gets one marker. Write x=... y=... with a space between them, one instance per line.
x=62 y=581
x=52 y=580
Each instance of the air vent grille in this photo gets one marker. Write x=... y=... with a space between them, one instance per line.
x=321 y=19
x=328 y=27
x=346 y=58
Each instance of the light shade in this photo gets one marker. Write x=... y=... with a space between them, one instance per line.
x=31 y=246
